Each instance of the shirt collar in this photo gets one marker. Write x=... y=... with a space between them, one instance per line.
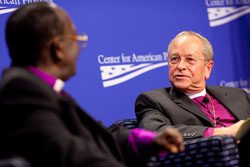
x=194 y=95
x=56 y=83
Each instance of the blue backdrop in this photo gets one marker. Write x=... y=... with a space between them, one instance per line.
x=126 y=52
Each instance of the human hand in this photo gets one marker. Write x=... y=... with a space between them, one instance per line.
x=169 y=140
x=230 y=130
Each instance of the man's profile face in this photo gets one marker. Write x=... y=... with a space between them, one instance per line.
x=70 y=49
x=188 y=70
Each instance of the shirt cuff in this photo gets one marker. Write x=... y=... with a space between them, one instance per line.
x=140 y=138
x=208 y=132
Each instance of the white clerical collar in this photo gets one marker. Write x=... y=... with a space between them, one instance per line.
x=58 y=86
x=194 y=95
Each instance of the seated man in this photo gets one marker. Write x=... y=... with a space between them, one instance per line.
x=190 y=105
x=42 y=123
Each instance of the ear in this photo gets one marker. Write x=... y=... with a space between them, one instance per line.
x=209 y=66
x=56 y=50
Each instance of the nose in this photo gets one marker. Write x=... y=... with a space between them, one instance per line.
x=182 y=64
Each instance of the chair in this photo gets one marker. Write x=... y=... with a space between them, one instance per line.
x=14 y=162
x=216 y=151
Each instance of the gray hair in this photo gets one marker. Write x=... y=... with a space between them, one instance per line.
x=207 y=47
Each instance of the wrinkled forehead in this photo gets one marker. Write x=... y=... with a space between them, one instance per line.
x=186 y=45
x=187 y=40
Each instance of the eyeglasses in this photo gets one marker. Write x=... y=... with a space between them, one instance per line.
x=173 y=60
x=81 y=39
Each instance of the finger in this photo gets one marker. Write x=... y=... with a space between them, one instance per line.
x=171 y=144
x=173 y=137
x=167 y=145
x=179 y=145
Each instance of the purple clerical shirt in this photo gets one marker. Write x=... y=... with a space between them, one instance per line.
x=215 y=110
x=138 y=138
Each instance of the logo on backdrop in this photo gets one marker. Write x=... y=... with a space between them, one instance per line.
x=241 y=83
x=7 y=6
x=119 y=69
x=223 y=11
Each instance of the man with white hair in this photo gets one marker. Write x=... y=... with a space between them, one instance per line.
x=196 y=109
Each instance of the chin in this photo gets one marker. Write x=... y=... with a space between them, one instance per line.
x=181 y=85
x=68 y=76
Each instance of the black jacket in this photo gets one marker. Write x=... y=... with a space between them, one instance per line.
x=51 y=130
x=168 y=107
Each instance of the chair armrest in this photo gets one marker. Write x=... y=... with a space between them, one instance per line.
x=14 y=162
x=221 y=151
x=126 y=123
x=212 y=151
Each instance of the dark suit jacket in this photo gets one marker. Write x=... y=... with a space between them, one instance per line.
x=51 y=130
x=163 y=107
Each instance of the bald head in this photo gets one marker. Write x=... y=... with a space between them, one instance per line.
x=29 y=29
x=207 y=49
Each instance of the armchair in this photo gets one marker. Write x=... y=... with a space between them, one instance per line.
x=215 y=151
x=14 y=162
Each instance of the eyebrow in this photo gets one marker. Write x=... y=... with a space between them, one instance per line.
x=176 y=54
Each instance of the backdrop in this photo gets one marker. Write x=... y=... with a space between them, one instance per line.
x=126 y=52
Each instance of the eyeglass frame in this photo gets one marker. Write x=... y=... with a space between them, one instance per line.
x=187 y=60
x=81 y=39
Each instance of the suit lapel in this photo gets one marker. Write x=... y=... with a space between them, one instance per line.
x=95 y=128
x=229 y=101
x=187 y=104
